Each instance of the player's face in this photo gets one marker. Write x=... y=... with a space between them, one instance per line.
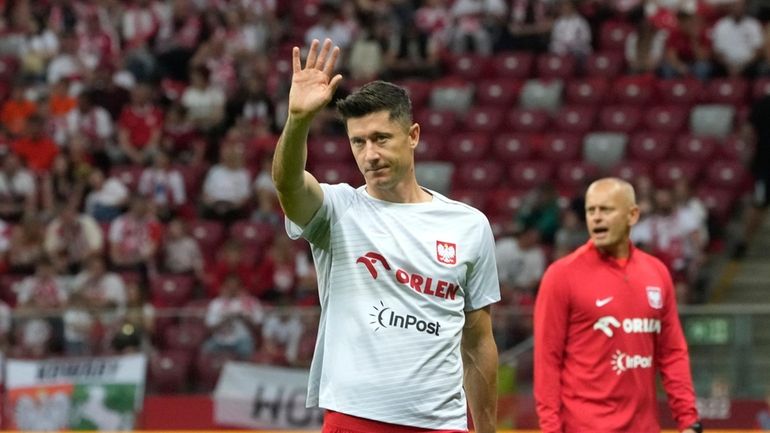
x=609 y=216
x=383 y=148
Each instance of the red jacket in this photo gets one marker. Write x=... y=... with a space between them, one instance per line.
x=602 y=330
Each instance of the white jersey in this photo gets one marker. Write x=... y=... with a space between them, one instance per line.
x=394 y=282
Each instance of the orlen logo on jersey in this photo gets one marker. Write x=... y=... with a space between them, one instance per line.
x=385 y=317
x=420 y=284
x=636 y=325
x=624 y=361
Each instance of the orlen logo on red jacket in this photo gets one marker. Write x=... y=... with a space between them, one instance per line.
x=446 y=252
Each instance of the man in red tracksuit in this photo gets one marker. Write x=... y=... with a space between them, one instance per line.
x=605 y=321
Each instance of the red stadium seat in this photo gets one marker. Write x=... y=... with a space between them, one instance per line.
x=468 y=147
x=613 y=35
x=512 y=147
x=472 y=197
x=478 y=175
x=7 y=291
x=575 y=119
x=128 y=174
x=208 y=367
x=528 y=174
x=573 y=175
x=483 y=119
x=209 y=234
x=650 y=146
x=506 y=201
x=555 y=66
x=192 y=176
x=668 y=172
x=607 y=64
x=631 y=170
x=718 y=201
x=561 y=146
x=726 y=91
x=528 y=120
x=632 y=90
x=666 y=118
x=691 y=147
x=419 y=92
x=587 y=91
x=501 y=92
x=726 y=174
x=512 y=65
x=329 y=149
x=436 y=121
x=184 y=336
x=620 y=118
x=252 y=233
x=337 y=172
x=171 y=290
x=468 y=66
x=761 y=88
x=430 y=148
x=168 y=371
x=685 y=91
x=735 y=148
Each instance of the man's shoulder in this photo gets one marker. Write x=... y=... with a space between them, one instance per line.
x=572 y=260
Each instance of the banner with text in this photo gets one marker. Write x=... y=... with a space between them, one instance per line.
x=102 y=393
x=255 y=396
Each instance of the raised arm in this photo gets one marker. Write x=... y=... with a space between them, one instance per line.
x=312 y=87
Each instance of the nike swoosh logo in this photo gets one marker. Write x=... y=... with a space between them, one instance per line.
x=602 y=302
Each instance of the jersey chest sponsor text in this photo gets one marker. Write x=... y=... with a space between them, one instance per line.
x=379 y=267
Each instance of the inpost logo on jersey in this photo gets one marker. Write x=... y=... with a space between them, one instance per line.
x=384 y=317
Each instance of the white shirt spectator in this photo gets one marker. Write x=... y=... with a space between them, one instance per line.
x=228 y=185
x=738 y=41
x=89 y=237
x=20 y=184
x=203 y=104
x=337 y=32
x=49 y=292
x=571 y=35
x=669 y=234
x=286 y=331
x=516 y=266
x=656 y=50
x=112 y=193
x=65 y=66
x=236 y=310
x=107 y=287
x=182 y=255
x=96 y=124
x=165 y=187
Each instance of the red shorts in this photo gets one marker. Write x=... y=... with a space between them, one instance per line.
x=335 y=422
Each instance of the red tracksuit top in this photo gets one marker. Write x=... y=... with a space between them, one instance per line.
x=602 y=329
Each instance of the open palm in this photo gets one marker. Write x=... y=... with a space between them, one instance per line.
x=313 y=86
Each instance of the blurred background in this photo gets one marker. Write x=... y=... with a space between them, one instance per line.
x=140 y=231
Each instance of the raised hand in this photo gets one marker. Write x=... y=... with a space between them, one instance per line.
x=313 y=86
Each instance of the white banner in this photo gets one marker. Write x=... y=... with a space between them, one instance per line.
x=109 y=369
x=249 y=395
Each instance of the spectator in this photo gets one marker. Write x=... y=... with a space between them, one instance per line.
x=203 y=101
x=180 y=137
x=140 y=24
x=227 y=187
x=540 y=210
x=520 y=265
x=25 y=249
x=40 y=45
x=92 y=122
x=111 y=88
x=134 y=238
x=66 y=65
x=35 y=147
x=72 y=238
x=253 y=105
x=571 y=234
x=60 y=102
x=5 y=245
x=107 y=199
x=268 y=210
x=96 y=45
x=645 y=46
x=432 y=19
x=16 y=110
x=137 y=325
x=181 y=253
x=368 y=50
x=328 y=26
x=277 y=273
x=62 y=185
x=529 y=27
x=471 y=18
x=83 y=328
x=688 y=49
x=164 y=186
x=101 y=289
x=689 y=203
x=177 y=40
x=232 y=317
x=410 y=54
x=18 y=190
x=229 y=261
x=140 y=126
x=42 y=297
x=738 y=41
x=571 y=34
x=282 y=334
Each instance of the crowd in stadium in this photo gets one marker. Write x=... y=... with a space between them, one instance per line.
x=136 y=141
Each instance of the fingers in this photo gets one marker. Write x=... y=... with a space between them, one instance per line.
x=295 y=63
x=331 y=61
x=324 y=52
x=312 y=55
x=335 y=82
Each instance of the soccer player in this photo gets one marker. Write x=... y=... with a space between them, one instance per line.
x=605 y=321
x=406 y=276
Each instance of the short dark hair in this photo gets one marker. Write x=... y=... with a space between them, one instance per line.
x=377 y=96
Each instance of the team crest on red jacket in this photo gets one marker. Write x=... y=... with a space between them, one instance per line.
x=654 y=297
x=446 y=252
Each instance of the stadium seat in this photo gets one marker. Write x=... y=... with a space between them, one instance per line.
x=735 y=148
x=209 y=234
x=666 y=118
x=718 y=201
x=630 y=170
x=431 y=147
x=561 y=146
x=435 y=175
x=607 y=64
x=761 y=88
x=468 y=146
x=575 y=119
x=477 y=198
x=587 y=91
x=7 y=290
x=468 y=66
x=252 y=233
x=715 y=120
x=169 y=290
x=669 y=171
x=527 y=120
x=604 y=149
x=483 y=119
x=207 y=368
x=619 y=118
x=128 y=174
x=541 y=95
x=452 y=96
x=613 y=35
x=478 y=175
x=512 y=147
x=725 y=174
x=528 y=174
x=573 y=175
x=436 y=121
x=726 y=91
x=419 y=92
x=512 y=65
x=192 y=176
x=632 y=90
x=684 y=91
x=184 y=336
x=337 y=172
x=329 y=149
x=691 y=147
x=501 y=92
x=506 y=201
x=650 y=146
x=551 y=66
x=168 y=371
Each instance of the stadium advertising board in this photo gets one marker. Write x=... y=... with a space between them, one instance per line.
x=101 y=393
x=255 y=396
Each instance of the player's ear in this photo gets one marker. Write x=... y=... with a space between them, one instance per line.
x=414 y=135
x=633 y=215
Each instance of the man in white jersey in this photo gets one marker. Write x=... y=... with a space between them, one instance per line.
x=406 y=276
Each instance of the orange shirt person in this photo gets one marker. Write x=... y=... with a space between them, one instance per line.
x=35 y=147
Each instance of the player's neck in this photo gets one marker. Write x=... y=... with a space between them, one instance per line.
x=406 y=192
x=621 y=250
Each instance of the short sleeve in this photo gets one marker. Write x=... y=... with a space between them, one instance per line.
x=337 y=200
x=483 y=286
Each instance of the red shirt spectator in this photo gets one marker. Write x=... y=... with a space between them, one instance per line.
x=140 y=124
x=683 y=44
x=16 y=110
x=35 y=148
